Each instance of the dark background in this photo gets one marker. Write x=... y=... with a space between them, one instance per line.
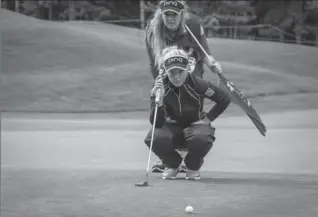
x=284 y=21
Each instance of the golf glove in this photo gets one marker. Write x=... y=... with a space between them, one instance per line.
x=216 y=67
x=158 y=85
x=191 y=65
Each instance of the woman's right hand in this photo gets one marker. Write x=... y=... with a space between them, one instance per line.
x=158 y=86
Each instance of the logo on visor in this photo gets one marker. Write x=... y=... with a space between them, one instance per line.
x=168 y=3
x=175 y=4
x=175 y=59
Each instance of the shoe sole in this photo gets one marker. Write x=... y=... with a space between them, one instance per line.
x=161 y=171
x=183 y=171
x=157 y=170
x=170 y=178
x=194 y=178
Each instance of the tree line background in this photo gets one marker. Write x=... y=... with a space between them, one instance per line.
x=288 y=21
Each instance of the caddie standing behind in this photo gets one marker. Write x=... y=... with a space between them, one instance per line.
x=167 y=28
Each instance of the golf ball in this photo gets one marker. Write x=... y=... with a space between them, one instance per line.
x=189 y=209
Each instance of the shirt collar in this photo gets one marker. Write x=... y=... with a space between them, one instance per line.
x=168 y=34
x=171 y=86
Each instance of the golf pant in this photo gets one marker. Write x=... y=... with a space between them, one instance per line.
x=197 y=139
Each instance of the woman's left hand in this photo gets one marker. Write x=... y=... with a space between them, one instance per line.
x=216 y=67
x=205 y=121
x=212 y=64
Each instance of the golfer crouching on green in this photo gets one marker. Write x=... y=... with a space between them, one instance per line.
x=181 y=122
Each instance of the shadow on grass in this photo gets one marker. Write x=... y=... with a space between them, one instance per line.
x=306 y=181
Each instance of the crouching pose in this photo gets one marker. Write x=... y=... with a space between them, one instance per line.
x=181 y=122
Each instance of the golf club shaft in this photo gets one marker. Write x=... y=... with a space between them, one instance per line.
x=153 y=129
x=198 y=43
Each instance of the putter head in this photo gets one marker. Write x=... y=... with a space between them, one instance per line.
x=142 y=184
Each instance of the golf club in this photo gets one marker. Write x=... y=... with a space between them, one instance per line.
x=197 y=42
x=236 y=95
x=145 y=183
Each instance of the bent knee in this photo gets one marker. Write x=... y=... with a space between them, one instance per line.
x=201 y=139
x=160 y=137
x=200 y=134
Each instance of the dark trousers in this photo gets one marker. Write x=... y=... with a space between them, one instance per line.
x=197 y=139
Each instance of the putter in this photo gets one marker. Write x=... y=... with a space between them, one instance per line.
x=146 y=183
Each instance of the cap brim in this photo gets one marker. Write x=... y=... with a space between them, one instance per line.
x=172 y=9
x=175 y=67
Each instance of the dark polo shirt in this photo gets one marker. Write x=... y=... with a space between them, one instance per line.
x=184 y=40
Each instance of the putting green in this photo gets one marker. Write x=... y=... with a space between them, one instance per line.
x=55 y=165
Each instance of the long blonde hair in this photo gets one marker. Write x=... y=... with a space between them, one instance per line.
x=154 y=33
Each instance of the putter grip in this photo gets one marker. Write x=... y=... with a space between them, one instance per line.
x=158 y=91
x=158 y=95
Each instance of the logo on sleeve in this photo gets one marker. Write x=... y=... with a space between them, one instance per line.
x=209 y=92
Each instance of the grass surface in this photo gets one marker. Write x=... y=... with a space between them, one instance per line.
x=65 y=165
x=82 y=193
x=89 y=66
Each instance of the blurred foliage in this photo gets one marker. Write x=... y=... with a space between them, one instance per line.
x=220 y=18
